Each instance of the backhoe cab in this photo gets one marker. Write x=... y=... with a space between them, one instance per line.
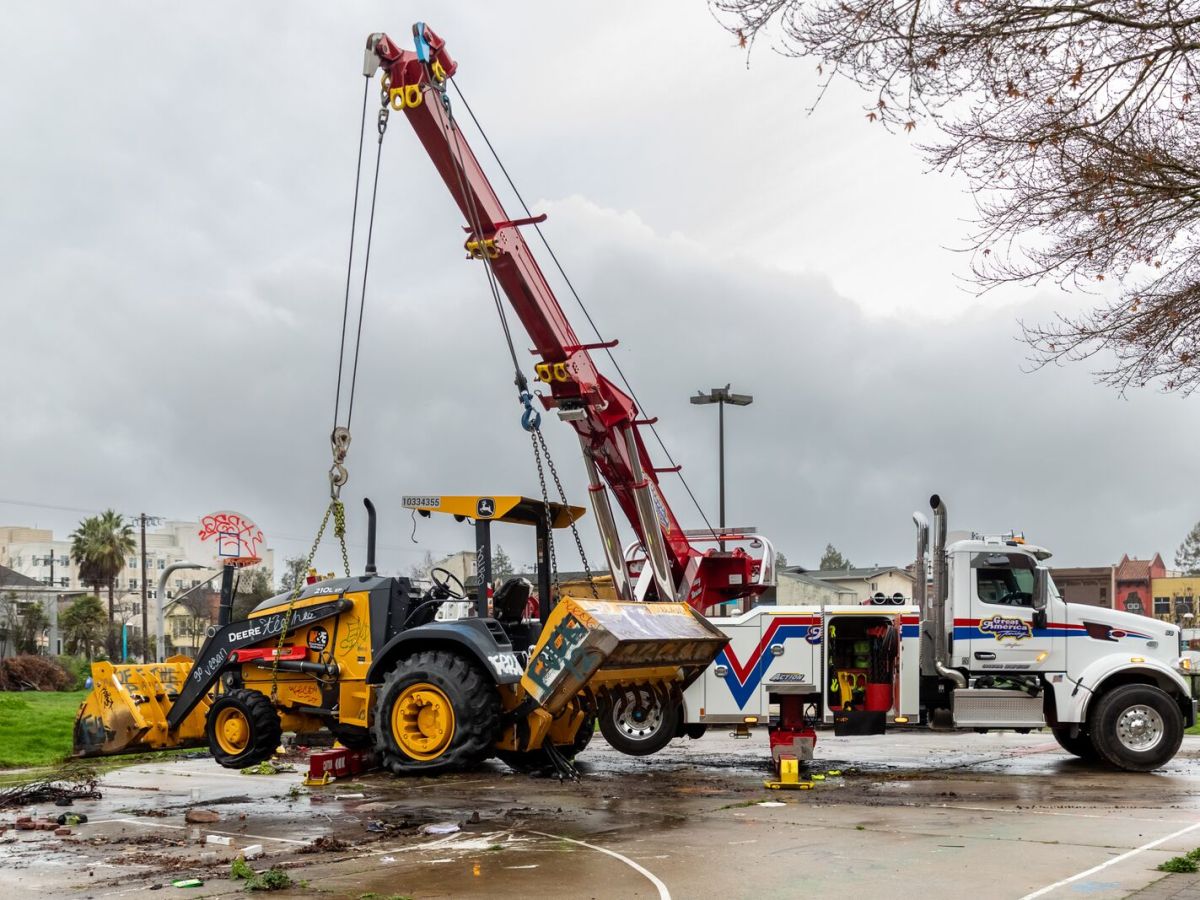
x=367 y=658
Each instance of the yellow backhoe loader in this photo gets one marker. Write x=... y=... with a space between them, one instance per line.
x=367 y=658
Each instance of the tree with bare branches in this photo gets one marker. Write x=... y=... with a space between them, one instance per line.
x=1075 y=123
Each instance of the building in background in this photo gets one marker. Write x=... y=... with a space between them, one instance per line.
x=1176 y=598
x=1133 y=580
x=1090 y=585
x=36 y=554
x=860 y=585
x=794 y=586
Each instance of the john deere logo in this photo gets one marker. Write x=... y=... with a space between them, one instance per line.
x=485 y=507
x=1002 y=627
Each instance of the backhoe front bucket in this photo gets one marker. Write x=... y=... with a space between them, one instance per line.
x=126 y=712
x=591 y=645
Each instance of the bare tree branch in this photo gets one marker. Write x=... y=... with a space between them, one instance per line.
x=1074 y=123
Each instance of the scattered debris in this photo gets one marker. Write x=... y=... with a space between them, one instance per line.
x=268 y=768
x=187 y=882
x=440 y=828
x=222 y=839
x=202 y=816
x=254 y=851
x=325 y=844
x=72 y=819
x=771 y=803
x=79 y=785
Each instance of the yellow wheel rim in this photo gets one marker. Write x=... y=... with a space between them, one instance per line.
x=232 y=731
x=423 y=721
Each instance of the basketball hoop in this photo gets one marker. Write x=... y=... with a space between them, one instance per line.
x=241 y=562
x=234 y=537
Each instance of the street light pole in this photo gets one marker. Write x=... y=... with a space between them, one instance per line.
x=721 y=396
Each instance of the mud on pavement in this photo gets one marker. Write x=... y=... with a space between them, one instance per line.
x=692 y=820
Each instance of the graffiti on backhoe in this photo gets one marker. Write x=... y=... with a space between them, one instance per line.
x=564 y=651
x=106 y=697
x=210 y=665
x=356 y=635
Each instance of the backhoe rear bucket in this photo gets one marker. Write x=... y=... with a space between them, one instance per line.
x=597 y=644
x=126 y=712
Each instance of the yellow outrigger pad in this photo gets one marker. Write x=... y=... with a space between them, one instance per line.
x=599 y=643
x=126 y=711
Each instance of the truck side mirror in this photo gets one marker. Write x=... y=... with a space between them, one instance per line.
x=1041 y=595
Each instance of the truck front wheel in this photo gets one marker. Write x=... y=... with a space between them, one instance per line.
x=1136 y=727
x=1081 y=745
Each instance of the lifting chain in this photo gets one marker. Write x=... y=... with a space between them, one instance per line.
x=540 y=449
x=338 y=512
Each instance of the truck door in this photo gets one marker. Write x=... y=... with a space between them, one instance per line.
x=1002 y=633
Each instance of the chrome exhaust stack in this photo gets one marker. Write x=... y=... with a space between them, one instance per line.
x=921 y=594
x=941 y=594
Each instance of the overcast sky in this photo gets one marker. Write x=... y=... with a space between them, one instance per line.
x=175 y=190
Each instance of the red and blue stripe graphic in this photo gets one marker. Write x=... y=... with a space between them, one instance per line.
x=968 y=629
x=744 y=678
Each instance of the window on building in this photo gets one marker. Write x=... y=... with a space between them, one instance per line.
x=179 y=584
x=133 y=584
x=195 y=582
x=64 y=560
x=162 y=564
x=65 y=582
x=35 y=562
x=1162 y=605
x=137 y=609
x=153 y=595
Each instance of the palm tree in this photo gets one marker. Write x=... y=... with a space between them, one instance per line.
x=100 y=545
x=84 y=541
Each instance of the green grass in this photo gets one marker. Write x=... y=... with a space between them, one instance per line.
x=36 y=727
x=1195 y=729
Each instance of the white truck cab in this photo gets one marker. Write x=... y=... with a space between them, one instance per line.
x=991 y=645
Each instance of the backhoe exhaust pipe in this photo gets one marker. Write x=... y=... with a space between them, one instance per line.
x=941 y=593
x=371 y=570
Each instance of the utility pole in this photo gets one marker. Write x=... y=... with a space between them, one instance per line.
x=142 y=520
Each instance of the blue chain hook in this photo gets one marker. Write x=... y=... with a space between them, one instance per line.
x=531 y=419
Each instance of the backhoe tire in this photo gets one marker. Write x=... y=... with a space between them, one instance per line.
x=1136 y=727
x=436 y=711
x=636 y=722
x=1081 y=745
x=242 y=728
x=353 y=737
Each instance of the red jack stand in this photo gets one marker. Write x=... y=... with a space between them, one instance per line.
x=340 y=762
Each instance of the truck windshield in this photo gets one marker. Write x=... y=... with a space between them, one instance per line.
x=1004 y=579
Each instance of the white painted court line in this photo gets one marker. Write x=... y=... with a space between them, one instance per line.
x=237 y=834
x=1110 y=862
x=663 y=893
x=1046 y=812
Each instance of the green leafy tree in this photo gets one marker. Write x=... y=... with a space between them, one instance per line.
x=780 y=560
x=101 y=544
x=1187 y=557
x=833 y=559
x=502 y=566
x=32 y=622
x=294 y=572
x=82 y=626
x=253 y=587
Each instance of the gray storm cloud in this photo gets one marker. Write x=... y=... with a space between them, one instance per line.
x=172 y=271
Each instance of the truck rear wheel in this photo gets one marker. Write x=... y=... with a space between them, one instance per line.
x=435 y=712
x=242 y=728
x=1136 y=727
x=637 y=723
x=1081 y=745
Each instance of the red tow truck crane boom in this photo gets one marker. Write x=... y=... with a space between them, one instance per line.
x=605 y=418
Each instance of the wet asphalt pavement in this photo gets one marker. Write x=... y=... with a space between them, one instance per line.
x=912 y=814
